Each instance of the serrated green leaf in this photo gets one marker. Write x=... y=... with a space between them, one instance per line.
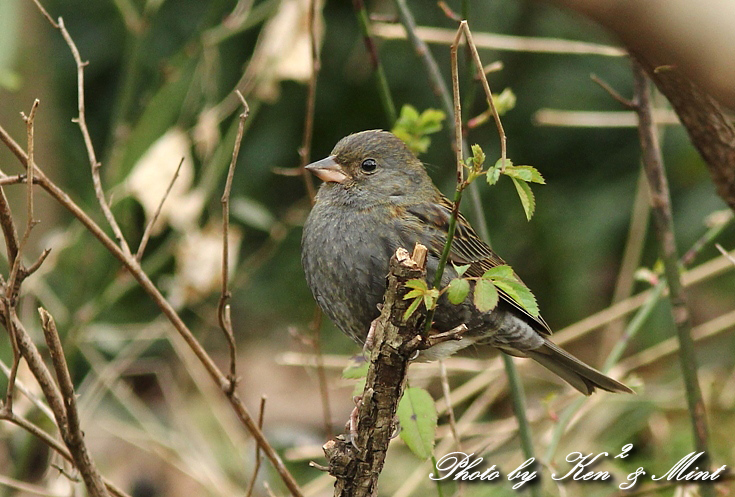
x=499 y=163
x=493 y=175
x=430 y=298
x=520 y=293
x=357 y=368
x=418 y=293
x=412 y=308
x=417 y=283
x=486 y=295
x=503 y=271
x=417 y=415
x=458 y=290
x=526 y=195
x=525 y=173
x=461 y=269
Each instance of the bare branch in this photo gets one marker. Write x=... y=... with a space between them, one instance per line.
x=625 y=102
x=149 y=227
x=223 y=309
x=82 y=122
x=258 y=458
x=72 y=432
x=133 y=266
x=663 y=223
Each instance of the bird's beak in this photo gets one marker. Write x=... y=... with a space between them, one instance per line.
x=328 y=170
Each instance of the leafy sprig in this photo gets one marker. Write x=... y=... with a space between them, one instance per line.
x=498 y=279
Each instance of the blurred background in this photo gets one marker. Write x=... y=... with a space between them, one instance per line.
x=159 y=89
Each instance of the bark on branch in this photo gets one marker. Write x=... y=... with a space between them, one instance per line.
x=357 y=464
x=711 y=132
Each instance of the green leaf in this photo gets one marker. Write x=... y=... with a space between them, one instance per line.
x=458 y=290
x=413 y=128
x=503 y=271
x=520 y=293
x=461 y=269
x=501 y=166
x=493 y=175
x=412 y=308
x=525 y=173
x=417 y=415
x=417 y=283
x=504 y=101
x=526 y=195
x=486 y=295
x=413 y=294
x=430 y=298
x=419 y=289
x=478 y=156
x=357 y=368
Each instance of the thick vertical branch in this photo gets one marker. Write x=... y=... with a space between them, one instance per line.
x=357 y=464
x=663 y=223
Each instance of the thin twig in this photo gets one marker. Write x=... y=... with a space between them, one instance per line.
x=725 y=253
x=422 y=50
x=625 y=102
x=53 y=443
x=149 y=227
x=386 y=98
x=446 y=392
x=82 y=122
x=223 y=309
x=133 y=266
x=258 y=458
x=72 y=432
x=305 y=156
x=663 y=223
x=305 y=149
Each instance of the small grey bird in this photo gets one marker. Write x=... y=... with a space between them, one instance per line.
x=376 y=197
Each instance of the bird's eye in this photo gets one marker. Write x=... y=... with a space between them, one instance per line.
x=369 y=165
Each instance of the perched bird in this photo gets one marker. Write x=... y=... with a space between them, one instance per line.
x=376 y=197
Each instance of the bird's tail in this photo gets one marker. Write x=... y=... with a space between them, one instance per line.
x=573 y=371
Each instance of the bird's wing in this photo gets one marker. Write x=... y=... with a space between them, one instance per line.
x=467 y=248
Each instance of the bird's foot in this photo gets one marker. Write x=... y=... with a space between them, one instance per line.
x=351 y=425
x=370 y=339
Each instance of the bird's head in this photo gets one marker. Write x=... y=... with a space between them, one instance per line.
x=372 y=167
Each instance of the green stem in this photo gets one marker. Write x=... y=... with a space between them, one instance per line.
x=518 y=397
x=447 y=248
x=383 y=89
x=439 y=490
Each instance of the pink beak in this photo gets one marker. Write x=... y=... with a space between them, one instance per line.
x=328 y=170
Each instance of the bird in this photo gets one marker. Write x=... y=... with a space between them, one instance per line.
x=376 y=196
